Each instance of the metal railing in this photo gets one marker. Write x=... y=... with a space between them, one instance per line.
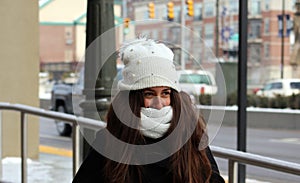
x=28 y=110
x=233 y=156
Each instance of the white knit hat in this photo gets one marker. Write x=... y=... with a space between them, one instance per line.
x=147 y=64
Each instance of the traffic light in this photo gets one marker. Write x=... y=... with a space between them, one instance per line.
x=151 y=10
x=126 y=22
x=170 y=11
x=190 y=7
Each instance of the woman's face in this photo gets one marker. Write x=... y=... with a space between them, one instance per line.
x=157 y=97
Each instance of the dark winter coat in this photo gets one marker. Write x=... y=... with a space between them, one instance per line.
x=91 y=170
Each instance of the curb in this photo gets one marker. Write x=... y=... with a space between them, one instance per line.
x=55 y=151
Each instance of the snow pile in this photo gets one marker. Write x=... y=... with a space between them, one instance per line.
x=37 y=172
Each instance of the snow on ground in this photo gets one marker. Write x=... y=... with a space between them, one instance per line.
x=48 y=170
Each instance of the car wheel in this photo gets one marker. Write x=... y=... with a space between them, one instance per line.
x=63 y=129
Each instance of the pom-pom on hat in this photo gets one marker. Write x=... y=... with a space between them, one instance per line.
x=147 y=64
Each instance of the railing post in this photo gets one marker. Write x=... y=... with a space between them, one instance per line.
x=76 y=148
x=0 y=145
x=23 y=148
x=232 y=171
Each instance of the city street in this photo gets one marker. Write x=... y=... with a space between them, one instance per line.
x=281 y=144
x=50 y=137
x=245 y=54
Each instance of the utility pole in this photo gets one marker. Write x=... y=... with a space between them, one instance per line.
x=217 y=29
x=100 y=64
x=182 y=23
x=124 y=14
x=242 y=86
x=282 y=40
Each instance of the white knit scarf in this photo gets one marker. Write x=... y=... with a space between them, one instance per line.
x=155 y=122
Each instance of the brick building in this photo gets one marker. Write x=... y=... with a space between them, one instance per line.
x=62 y=34
x=211 y=33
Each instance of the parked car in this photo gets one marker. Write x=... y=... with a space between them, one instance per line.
x=61 y=101
x=197 y=82
x=283 y=87
x=66 y=97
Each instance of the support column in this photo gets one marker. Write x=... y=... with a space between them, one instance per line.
x=100 y=64
x=19 y=50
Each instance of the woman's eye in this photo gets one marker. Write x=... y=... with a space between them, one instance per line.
x=166 y=94
x=148 y=94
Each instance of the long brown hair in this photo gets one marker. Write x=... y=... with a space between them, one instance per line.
x=188 y=164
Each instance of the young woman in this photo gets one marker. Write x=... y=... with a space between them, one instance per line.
x=153 y=133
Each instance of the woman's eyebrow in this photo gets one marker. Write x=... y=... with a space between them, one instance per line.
x=145 y=90
x=149 y=89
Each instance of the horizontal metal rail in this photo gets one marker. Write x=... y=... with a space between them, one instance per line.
x=233 y=156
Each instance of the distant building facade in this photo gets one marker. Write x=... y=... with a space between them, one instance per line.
x=219 y=31
x=63 y=34
x=209 y=33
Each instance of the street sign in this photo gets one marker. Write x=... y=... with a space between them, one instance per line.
x=289 y=25
x=226 y=33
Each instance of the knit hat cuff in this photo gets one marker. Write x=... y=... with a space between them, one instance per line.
x=148 y=82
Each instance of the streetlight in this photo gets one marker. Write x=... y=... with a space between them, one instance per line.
x=282 y=40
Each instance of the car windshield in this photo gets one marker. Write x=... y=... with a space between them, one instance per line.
x=195 y=79
x=272 y=86
x=295 y=85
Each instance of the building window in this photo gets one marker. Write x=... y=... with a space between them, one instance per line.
x=255 y=7
x=267 y=5
x=267 y=26
x=164 y=12
x=209 y=8
x=177 y=14
x=198 y=12
x=255 y=30
x=293 y=4
x=266 y=50
x=209 y=35
x=234 y=6
x=68 y=35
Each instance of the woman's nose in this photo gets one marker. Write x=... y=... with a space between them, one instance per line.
x=157 y=103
